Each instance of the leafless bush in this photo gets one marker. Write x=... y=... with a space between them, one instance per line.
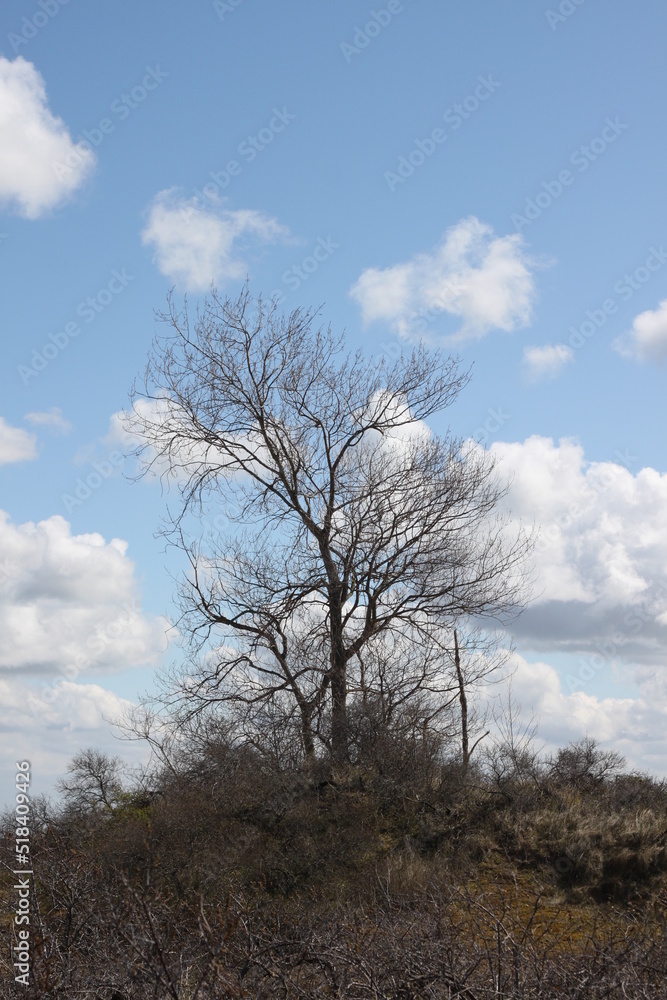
x=235 y=875
x=583 y=764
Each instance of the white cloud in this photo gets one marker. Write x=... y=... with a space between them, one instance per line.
x=482 y=279
x=150 y=425
x=68 y=603
x=547 y=361
x=16 y=445
x=601 y=560
x=63 y=705
x=634 y=726
x=50 y=418
x=40 y=165
x=194 y=246
x=647 y=340
x=154 y=425
x=47 y=723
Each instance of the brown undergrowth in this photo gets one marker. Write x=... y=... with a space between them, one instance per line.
x=241 y=879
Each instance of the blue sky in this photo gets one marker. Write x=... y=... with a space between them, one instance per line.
x=487 y=176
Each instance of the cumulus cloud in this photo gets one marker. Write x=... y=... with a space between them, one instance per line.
x=482 y=279
x=68 y=603
x=647 y=340
x=48 y=722
x=64 y=706
x=601 y=558
x=194 y=246
x=16 y=445
x=160 y=436
x=151 y=425
x=40 y=165
x=634 y=726
x=52 y=419
x=547 y=361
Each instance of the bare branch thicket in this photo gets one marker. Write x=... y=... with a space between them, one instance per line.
x=584 y=764
x=356 y=526
x=94 y=780
x=266 y=885
x=513 y=757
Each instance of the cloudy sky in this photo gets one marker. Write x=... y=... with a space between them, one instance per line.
x=481 y=176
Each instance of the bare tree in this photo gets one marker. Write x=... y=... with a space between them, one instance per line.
x=94 y=780
x=355 y=524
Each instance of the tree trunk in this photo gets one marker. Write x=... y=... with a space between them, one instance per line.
x=338 y=673
x=338 y=677
x=339 y=748
x=306 y=730
x=465 y=743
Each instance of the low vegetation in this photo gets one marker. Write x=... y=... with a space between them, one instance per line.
x=231 y=873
